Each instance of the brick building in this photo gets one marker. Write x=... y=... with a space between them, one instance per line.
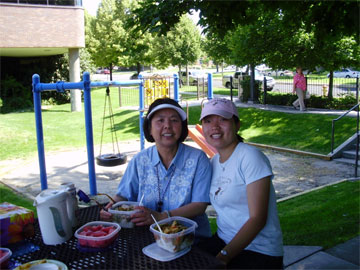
x=43 y=28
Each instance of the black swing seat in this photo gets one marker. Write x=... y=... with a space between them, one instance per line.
x=110 y=160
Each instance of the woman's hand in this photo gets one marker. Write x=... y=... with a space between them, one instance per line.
x=106 y=215
x=224 y=259
x=143 y=217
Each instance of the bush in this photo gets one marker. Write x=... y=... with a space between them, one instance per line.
x=16 y=84
x=14 y=95
x=343 y=103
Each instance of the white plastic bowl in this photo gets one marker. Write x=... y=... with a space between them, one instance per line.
x=99 y=241
x=123 y=218
x=177 y=241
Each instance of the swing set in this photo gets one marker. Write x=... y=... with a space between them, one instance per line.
x=112 y=159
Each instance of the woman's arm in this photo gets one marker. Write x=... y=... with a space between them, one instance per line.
x=190 y=210
x=258 y=201
x=294 y=83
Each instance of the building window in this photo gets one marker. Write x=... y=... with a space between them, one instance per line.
x=45 y=2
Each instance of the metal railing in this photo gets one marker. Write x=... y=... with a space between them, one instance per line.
x=357 y=133
x=320 y=87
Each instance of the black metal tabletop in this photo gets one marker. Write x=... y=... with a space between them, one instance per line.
x=125 y=253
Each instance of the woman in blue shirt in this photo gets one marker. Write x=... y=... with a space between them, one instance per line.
x=173 y=177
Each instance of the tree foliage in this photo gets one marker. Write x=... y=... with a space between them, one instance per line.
x=280 y=33
x=107 y=33
x=216 y=48
x=180 y=46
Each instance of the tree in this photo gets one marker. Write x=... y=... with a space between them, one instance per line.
x=180 y=46
x=107 y=33
x=137 y=45
x=216 y=49
x=328 y=17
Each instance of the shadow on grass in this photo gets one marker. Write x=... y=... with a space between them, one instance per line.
x=131 y=124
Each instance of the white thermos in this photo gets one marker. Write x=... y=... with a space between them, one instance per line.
x=54 y=222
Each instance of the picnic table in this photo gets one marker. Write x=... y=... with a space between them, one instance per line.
x=125 y=253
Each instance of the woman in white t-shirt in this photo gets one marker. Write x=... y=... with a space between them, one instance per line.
x=249 y=234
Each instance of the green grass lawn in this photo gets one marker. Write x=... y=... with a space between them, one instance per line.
x=65 y=130
x=9 y=195
x=305 y=132
x=325 y=217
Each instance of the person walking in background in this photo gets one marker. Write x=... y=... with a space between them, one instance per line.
x=173 y=177
x=299 y=86
x=248 y=229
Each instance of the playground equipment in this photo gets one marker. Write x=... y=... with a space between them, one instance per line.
x=113 y=159
x=86 y=85
x=198 y=136
x=156 y=86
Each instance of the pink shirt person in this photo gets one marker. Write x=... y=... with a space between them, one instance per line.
x=300 y=81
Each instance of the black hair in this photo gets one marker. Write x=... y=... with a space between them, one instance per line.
x=147 y=121
x=237 y=120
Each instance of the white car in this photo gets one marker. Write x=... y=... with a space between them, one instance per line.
x=230 y=68
x=279 y=73
x=270 y=81
x=345 y=73
x=194 y=77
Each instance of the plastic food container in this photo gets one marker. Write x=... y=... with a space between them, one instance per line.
x=97 y=234
x=175 y=242
x=5 y=255
x=123 y=217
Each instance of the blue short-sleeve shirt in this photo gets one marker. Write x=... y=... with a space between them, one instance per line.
x=186 y=180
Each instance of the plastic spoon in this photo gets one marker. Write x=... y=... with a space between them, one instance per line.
x=140 y=203
x=157 y=224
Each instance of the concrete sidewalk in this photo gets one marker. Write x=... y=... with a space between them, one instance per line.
x=343 y=256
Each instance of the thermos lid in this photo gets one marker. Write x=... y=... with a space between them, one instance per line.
x=67 y=185
x=52 y=195
x=83 y=196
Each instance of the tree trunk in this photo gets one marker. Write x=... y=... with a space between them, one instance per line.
x=252 y=79
x=111 y=70
x=187 y=75
x=138 y=68
x=331 y=85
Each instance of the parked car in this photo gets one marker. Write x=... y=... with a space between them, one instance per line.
x=345 y=73
x=230 y=68
x=270 y=81
x=102 y=71
x=194 y=77
x=279 y=73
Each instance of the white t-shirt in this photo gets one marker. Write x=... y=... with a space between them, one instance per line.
x=228 y=196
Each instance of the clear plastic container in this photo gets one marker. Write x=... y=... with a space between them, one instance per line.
x=123 y=217
x=5 y=255
x=175 y=242
x=97 y=234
